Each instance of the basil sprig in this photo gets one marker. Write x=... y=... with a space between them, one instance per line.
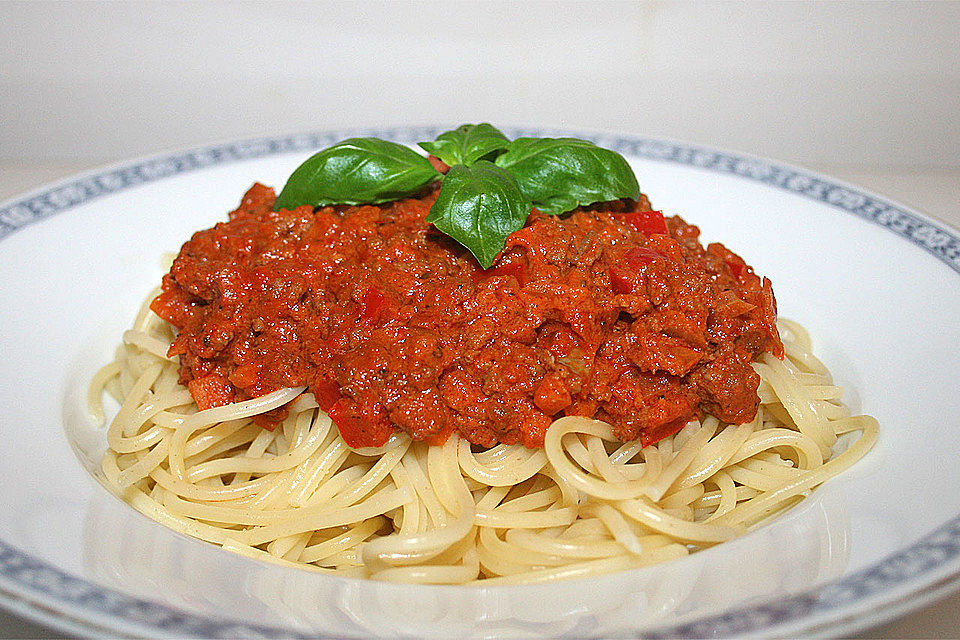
x=479 y=206
x=560 y=174
x=467 y=143
x=492 y=184
x=357 y=171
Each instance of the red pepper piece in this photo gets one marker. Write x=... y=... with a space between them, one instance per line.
x=373 y=304
x=621 y=279
x=623 y=275
x=326 y=392
x=516 y=269
x=355 y=428
x=647 y=222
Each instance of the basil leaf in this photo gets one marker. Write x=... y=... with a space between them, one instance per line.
x=560 y=174
x=357 y=171
x=479 y=206
x=467 y=143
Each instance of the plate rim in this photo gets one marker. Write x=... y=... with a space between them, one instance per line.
x=898 y=583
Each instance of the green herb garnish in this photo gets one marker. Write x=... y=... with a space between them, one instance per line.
x=487 y=194
x=357 y=171
x=479 y=206
x=467 y=143
x=560 y=174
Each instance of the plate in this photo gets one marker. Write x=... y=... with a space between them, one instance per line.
x=877 y=284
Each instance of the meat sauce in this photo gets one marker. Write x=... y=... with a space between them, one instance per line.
x=610 y=311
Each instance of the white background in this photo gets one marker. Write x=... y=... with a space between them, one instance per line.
x=869 y=92
x=807 y=82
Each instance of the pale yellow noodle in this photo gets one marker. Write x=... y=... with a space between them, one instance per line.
x=583 y=505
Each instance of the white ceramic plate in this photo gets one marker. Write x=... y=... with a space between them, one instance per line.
x=877 y=284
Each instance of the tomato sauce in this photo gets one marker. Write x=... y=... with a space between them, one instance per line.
x=611 y=311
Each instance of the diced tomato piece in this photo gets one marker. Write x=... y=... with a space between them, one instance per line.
x=246 y=376
x=516 y=269
x=623 y=276
x=647 y=222
x=211 y=391
x=639 y=256
x=326 y=392
x=663 y=431
x=551 y=395
x=374 y=304
x=358 y=430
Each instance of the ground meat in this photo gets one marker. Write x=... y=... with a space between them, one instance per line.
x=609 y=312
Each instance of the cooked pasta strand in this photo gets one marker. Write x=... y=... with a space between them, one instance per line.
x=583 y=505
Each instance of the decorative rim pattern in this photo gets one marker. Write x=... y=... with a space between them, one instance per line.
x=52 y=596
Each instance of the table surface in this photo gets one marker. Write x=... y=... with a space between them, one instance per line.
x=934 y=192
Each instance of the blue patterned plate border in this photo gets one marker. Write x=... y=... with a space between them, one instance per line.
x=39 y=590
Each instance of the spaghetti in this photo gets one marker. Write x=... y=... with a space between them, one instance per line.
x=584 y=504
